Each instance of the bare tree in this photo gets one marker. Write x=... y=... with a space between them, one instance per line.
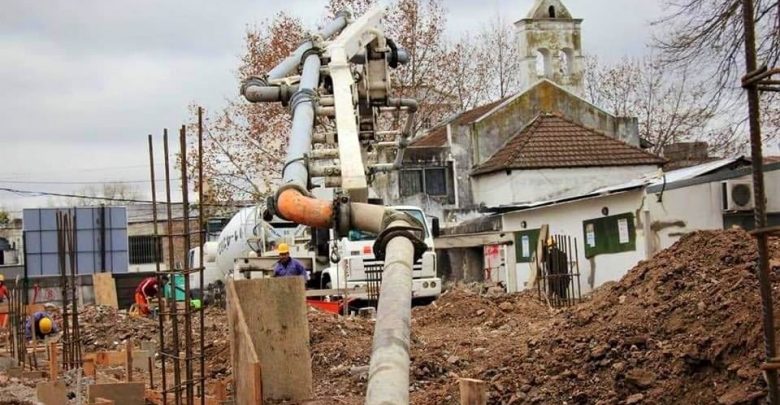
x=707 y=36
x=670 y=106
x=499 y=48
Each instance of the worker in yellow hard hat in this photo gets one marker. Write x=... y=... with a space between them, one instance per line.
x=42 y=324
x=287 y=266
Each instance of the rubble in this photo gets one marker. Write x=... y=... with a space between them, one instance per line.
x=683 y=327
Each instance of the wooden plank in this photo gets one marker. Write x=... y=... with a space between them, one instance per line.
x=51 y=393
x=118 y=358
x=123 y=393
x=220 y=391
x=274 y=316
x=105 y=289
x=242 y=351
x=472 y=392
x=103 y=401
x=89 y=367
x=129 y=360
x=54 y=366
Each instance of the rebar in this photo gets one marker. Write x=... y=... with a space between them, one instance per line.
x=187 y=264
x=179 y=317
x=160 y=304
x=172 y=306
x=759 y=195
x=201 y=263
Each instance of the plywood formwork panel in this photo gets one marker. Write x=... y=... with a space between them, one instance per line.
x=269 y=324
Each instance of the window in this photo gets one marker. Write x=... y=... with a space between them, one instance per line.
x=145 y=249
x=551 y=11
x=543 y=63
x=434 y=181
x=566 y=58
x=525 y=245
x=613 y=234
x=411 y=182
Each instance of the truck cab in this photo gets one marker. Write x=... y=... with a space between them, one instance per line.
x=357 y=264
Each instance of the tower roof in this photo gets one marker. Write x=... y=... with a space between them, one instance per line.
x=549 y=9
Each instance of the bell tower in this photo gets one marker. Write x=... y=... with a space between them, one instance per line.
x=551 y=46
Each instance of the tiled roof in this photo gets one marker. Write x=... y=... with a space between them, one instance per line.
x=437 y=136
x=552 y=141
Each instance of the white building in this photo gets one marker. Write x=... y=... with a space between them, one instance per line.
x=616 y=227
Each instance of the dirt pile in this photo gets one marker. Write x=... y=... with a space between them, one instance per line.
x=684 y=327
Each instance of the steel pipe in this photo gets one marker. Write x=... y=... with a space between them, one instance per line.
x=289 y=64
x=301 y=209
x=302 y=105
x=388 y=373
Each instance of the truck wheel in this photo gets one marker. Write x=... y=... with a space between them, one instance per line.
x=326 y=284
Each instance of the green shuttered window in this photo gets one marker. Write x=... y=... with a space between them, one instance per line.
x=612 y=234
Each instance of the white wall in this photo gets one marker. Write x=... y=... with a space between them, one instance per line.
x=698 y=207
x=566 y=219
x=546 y=184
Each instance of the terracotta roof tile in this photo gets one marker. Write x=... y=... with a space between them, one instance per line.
x=551 y=141
x=437 y=136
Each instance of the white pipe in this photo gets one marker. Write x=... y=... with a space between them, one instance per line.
x=388 y=372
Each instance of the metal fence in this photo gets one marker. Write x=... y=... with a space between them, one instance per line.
x=559 y=272
x=373 y=283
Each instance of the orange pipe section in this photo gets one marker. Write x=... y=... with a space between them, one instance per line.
x=304 y=210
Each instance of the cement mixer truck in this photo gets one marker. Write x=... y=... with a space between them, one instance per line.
x=246 y=246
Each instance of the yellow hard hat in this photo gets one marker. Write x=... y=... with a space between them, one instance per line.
x=284 y=248
x=45 y=325
x=551 y=242
x=2 y=277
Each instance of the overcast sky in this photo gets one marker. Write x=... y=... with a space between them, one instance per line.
x=84 y=82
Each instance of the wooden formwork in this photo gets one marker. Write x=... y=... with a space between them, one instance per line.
x=270 y=340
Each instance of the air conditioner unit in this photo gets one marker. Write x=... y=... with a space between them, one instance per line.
x=737 y=195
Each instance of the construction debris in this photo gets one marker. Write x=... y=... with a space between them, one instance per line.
x=680 y=328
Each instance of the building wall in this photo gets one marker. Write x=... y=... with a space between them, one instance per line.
x=566 y=219
x=147 y=228
x=541 y=185
x=551 y=37
x=696 y=207
x=493 y=131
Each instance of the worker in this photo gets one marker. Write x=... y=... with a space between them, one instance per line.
x=43 y=324
x=148 y=288
x=3 y=289
x=287 y=266
x=557 y=270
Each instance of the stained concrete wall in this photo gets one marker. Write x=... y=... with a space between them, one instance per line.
x=494 y=130
x=550 y=37
x=696 y=207
x=549 y=184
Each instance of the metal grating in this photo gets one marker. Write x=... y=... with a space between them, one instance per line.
x=559 y=278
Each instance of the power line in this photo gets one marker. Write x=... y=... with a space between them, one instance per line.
x=91 y=169
x=82 y=182
x=30 y=193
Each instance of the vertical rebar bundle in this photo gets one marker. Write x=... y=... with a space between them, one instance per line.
x=68 y=264
x=18 y=317
x=758 y=79
x=176 y=324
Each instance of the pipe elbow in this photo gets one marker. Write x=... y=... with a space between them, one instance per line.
x=294 y=206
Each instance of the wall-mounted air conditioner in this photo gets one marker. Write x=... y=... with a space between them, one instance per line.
x=737 y=195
